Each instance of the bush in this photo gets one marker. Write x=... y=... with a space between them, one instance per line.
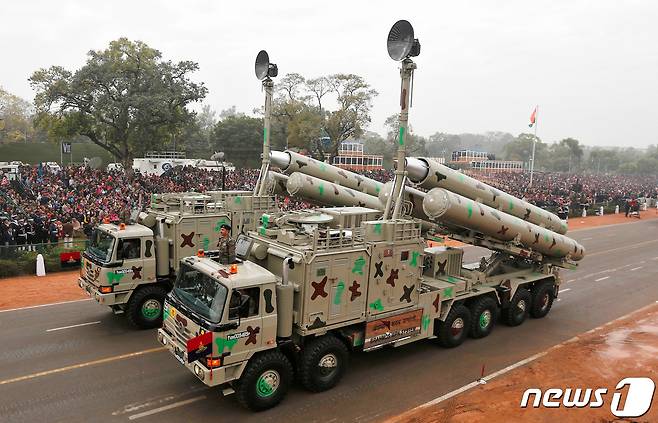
x=9 y=268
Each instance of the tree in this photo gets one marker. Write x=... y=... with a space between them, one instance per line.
x=575 y=151
x=126 y=99
x=15 y=118
x=521 y=149
x=414 y=144
x=354 y=97
x=240 y=138
x=442 y=145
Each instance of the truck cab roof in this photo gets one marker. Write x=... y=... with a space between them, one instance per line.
x=248 y=273
x=129 y=231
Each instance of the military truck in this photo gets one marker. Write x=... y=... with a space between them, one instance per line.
x=131 y=266
x=312 y=286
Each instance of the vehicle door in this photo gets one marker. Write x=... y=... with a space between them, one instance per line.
x=244 y=308
x=131 y=270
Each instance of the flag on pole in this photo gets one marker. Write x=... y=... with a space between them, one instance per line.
x=533 y=117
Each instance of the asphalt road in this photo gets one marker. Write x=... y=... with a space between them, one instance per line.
x=77 y=362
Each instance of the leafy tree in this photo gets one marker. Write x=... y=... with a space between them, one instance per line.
x=15 y=118
x=442 y=145
x=126 y=99
x=415 y=144
x=521 y=149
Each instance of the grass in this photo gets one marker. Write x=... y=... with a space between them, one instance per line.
x=34 y=153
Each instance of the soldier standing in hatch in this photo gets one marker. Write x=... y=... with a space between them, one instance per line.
x=226 y=245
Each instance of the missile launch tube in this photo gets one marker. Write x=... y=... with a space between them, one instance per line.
x=277 y=183
x=289 y=162
x=455 y=209
x=430 y=174
x=327 y=193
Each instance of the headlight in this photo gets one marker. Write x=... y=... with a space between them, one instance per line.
x=198 y=371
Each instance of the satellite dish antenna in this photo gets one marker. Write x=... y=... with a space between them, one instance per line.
x=401 y=43
x=265 y=69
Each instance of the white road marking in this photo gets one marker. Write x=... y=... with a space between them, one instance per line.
x=166 y=407
x=74 y=326
x=570 y=280
x=601 y=279
x=587 y=239
x=521 y=363
x=564 y=290
x=80 y=365
x=636 y=268
x=559 y=299
x=44 y=305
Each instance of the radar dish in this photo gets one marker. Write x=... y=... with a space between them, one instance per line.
x=400 y=40
x=264 y=68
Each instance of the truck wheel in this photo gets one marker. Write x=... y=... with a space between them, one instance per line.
x=454 y=329
x=265 y=381
x=518 y=308
x=542 y=300
x=323 y=363
x=144 y=308
x=484 y=312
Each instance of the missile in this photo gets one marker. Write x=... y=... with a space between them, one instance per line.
x=276 y=183
x=458 y=210
x=412 y=196
x=327 y=193
x=289 y=162
x=429 y=174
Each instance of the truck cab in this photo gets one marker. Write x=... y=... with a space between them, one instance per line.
x=219 y=315
x=118 y=259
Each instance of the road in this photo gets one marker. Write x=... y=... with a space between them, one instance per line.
x=76 y=362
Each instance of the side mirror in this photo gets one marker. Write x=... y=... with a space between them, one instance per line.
x=291 y=264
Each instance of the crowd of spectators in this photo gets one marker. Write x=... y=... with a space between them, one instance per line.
x=553 y=190
x=45 y=206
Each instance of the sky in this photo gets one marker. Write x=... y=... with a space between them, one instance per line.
x=590 y=66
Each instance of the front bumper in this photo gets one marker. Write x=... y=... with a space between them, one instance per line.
x=219 y=376
x=110 y=299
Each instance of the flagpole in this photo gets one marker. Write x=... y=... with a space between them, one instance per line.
x=534 y=142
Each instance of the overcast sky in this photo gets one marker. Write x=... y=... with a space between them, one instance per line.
x=591 y=66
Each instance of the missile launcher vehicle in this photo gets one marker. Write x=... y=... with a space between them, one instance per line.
x=311 y=287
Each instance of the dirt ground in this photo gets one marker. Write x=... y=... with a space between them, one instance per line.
x=597 y=359
x=55 y=287
x=22 y=291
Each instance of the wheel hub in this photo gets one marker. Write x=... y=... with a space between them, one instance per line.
x=151 y=309
x=457 y=326
x=485 y=319
x=268 y=383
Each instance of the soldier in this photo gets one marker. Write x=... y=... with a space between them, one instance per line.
x=226 y=245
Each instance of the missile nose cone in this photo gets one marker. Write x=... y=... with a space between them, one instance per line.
x=436 y=203
x=280 y=159
x=295 y=183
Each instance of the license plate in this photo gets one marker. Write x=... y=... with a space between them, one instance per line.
x=180 y=356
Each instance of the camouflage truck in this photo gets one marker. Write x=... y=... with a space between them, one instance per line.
x=314 y=286
x=131 y=266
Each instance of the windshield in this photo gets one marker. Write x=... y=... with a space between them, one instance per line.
x=200 y=292
x=101 y=245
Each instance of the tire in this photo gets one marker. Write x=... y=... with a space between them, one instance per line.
x=144 y=309
x=322 y=363
x=265 y=381
x=518 y=308
x=542 y=299
x=484 y=312
x=453 y=330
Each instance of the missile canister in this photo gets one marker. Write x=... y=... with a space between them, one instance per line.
x=413 y=196
x=276 y=182
x=430 y=174
x=327 y=193
x=452 y=208
x=289 y=162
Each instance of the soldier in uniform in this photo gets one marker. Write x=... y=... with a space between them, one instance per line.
x=226 y=245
